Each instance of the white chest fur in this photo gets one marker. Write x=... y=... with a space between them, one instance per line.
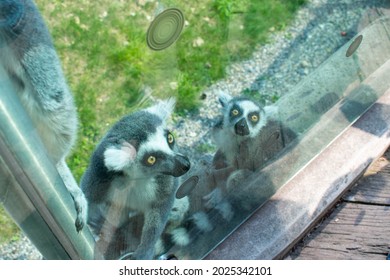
x=128 y=197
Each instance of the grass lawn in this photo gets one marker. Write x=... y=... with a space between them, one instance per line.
x=112 y=72
x=8 y=230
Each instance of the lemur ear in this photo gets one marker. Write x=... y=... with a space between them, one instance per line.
x=224 y=98
x=163 y=108
x=118 y=158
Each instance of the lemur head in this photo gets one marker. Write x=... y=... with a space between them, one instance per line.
x=141 y=146
x=241 y=116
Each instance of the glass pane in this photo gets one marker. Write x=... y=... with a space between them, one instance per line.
x=316 y=111
x=187 y=125
x=37 y=128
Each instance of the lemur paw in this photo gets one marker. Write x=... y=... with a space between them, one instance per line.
x=81 y=207
x=79 y=224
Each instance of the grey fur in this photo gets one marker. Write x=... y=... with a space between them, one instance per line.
x=29 y=57
x=244 y=155
x=129 y=198
x=218 y=189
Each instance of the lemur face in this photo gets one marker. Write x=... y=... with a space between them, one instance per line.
x=157 y=155
x=145 y=148
x=242 y=116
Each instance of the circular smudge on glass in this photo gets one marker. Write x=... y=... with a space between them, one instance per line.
x=354 y=45
x=165 y=29
x=187 y=187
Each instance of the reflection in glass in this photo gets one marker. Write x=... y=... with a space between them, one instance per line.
x=225 y=188
x=164 y=183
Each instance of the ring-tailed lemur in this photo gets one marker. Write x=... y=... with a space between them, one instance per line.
x=130 y=183
x=28 y=56
x=247 y=136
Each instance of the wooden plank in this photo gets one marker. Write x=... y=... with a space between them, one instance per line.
x=353 y=231
x=374 y=187
x=380 y=164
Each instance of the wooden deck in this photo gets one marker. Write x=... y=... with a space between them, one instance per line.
x=358 y=228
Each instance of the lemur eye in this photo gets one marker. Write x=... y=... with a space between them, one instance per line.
x=171 y=139
x=151 y=160
x=235 y=112
x=254 y=118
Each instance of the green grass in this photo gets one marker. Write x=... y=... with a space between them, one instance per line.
x=109 y=66
x=8 y=230
x=112 y=72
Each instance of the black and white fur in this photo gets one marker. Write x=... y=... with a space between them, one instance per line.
x=246 y=133
x=130 y=183
x=247 y=136
x=28 y=56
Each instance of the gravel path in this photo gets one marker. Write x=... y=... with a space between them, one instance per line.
x=320 y=28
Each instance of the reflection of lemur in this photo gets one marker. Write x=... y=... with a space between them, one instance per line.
x=131 y=179
x=247 y=137
x=173 y=233
x=28 y=56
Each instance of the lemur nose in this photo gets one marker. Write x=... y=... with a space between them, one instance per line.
x=182 y=165
x=241 y=128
